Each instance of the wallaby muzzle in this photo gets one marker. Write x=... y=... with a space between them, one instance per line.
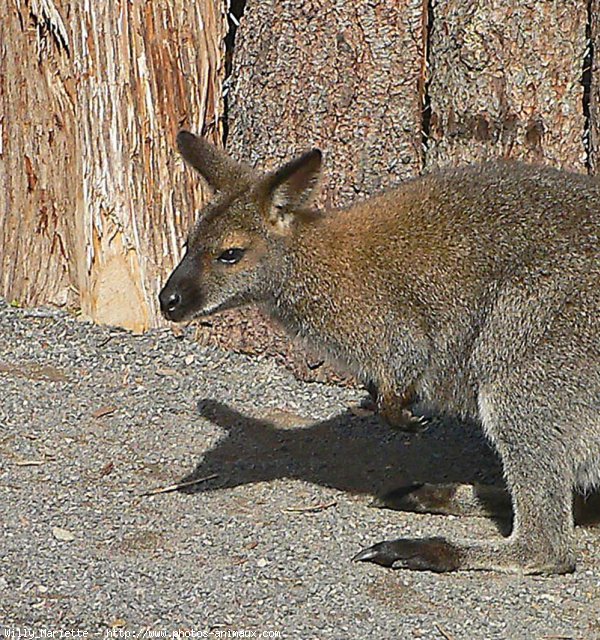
x=180 y=296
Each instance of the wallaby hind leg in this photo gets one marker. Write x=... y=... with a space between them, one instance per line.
x=541 y=489
x=473 y=501
x=465 y=500
x=540 y=541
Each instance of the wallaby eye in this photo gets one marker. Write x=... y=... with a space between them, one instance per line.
x=231 y=256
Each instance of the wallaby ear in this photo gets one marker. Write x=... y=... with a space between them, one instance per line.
x=291 y=188
x=212 y=163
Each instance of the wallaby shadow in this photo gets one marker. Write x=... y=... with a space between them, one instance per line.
x=359 y=455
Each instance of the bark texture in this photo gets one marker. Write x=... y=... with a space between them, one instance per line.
x=506 y=80
x=593 y=80
x=95 y=200
x=341 y=75
x=37 y=156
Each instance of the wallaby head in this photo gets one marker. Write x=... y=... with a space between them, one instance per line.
x=241 y=237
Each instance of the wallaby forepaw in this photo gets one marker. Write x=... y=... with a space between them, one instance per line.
x=403 y=420
x=428 y=554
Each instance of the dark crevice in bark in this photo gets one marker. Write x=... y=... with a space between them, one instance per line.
x=586 y=81
x=236 y=11
x=49 y=26
x=426 y=80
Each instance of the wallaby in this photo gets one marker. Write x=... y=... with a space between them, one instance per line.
x=477 y=288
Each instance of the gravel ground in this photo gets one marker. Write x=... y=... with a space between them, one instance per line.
x=92 y=418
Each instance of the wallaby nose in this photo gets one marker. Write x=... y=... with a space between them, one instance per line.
x=173 y=301
x=169 y=302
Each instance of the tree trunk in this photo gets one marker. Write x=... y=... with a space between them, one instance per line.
x=94 y=199
x=592 y=78
x=343 y=76
x=38 y=160
x=506 y=81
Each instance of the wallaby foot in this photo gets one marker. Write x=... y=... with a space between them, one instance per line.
x=440 y=555
x=449 y=499
x=473 y=500
x=428 y=554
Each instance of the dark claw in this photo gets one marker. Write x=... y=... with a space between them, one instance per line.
x=379 y=553
x=429 y=554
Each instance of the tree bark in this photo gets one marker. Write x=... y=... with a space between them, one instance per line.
x=506 y=81
x=593 y=78
x=95 y=200
x=38 y=161
x=344 y=76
